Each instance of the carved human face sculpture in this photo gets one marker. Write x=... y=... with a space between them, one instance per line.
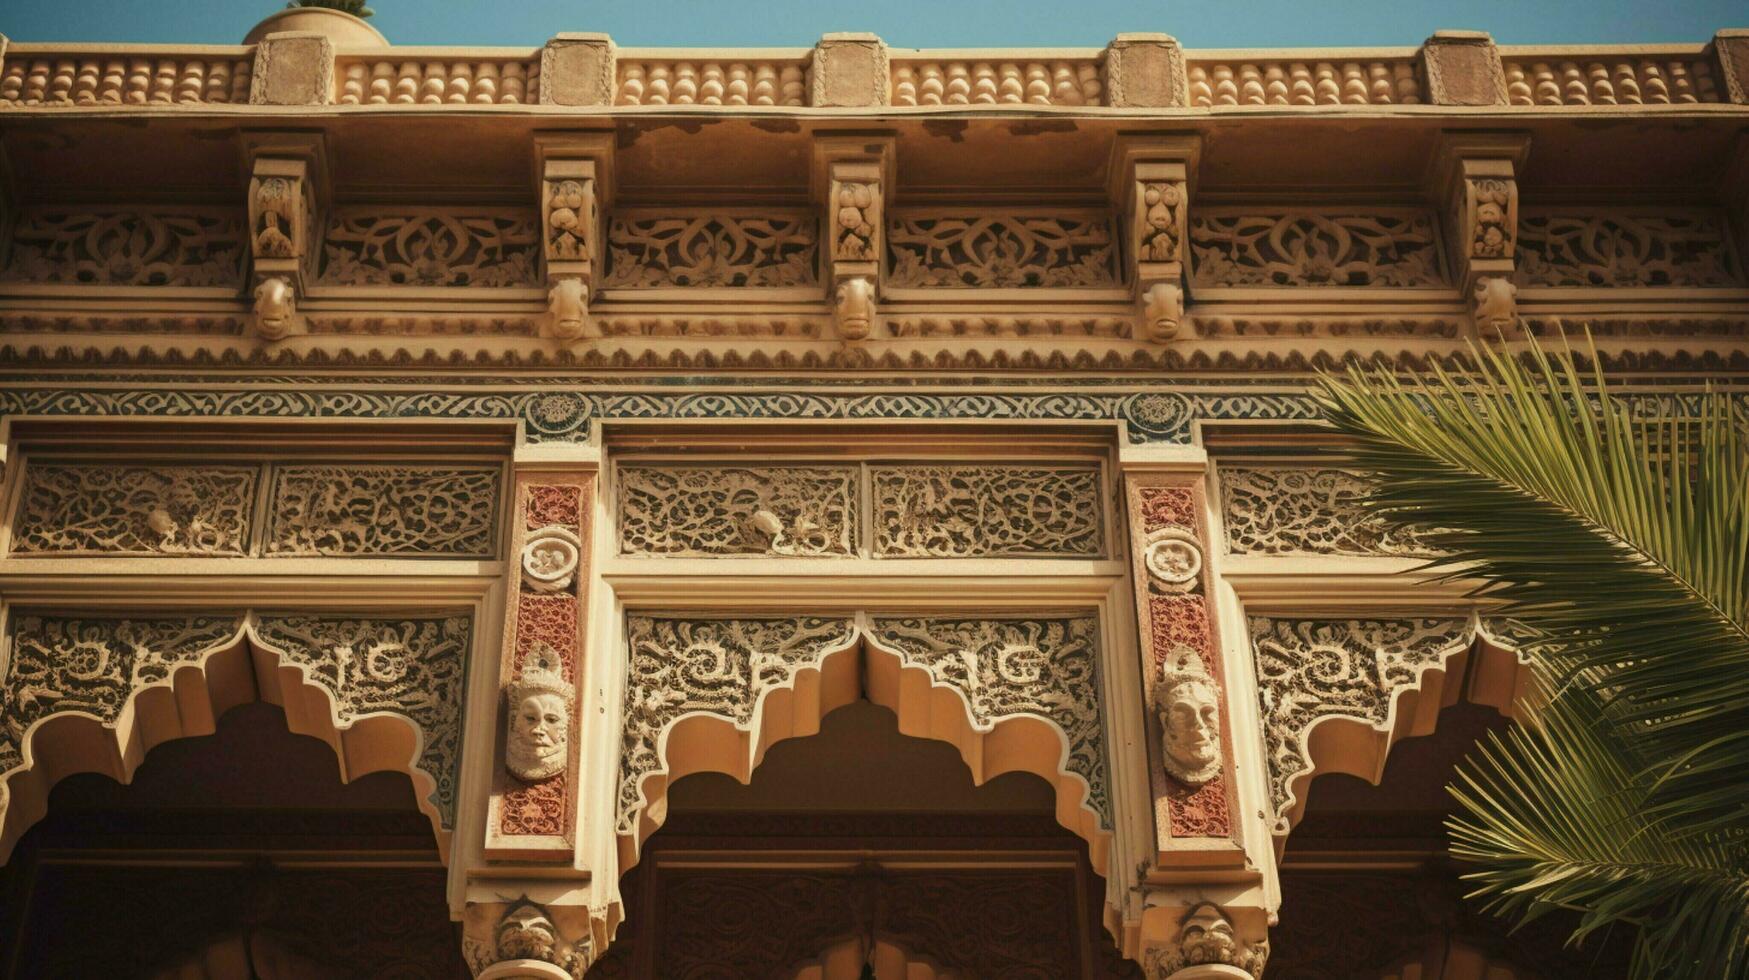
x=536 y=747
x=1190 y=722
x=1207 y=936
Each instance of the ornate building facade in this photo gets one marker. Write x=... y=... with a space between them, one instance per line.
x=783 y=513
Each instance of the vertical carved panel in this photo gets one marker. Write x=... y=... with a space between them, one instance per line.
x=1188 y=723
x=532 y=812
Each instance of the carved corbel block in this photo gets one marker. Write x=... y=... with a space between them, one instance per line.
x=1206 y=943
x=852 y=178
x=849 y=70
x=575 y=181
x=529 y=933
x=1731 y=46
x=1476 y=177
x=293 y=68
x=578 y=69
x=1463 y=68
x=1151 y=187
x=1145 y=70
x=532 y=811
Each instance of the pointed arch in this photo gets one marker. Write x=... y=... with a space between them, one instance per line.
x=92 y=693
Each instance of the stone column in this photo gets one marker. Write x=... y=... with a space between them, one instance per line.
x=1204 y=897
x=1476 y=180
x=1463 y=68
x=533 y=810
x=852 y=178
x=288 y=193
x=576 y=186
x=1151 y=178
x=293 y=68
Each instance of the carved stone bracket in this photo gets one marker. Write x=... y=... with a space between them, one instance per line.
x=532 y=813
x=1477 y=178
x=1335 y=693
x=384 y=692
x=853 y=177
x=576 y=187
x=1190 y=741
x=288 y=192
x=1151 y=184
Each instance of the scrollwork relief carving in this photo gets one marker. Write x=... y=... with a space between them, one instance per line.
x=431 y=510
x=718 y=667
x=94 y=665
x=1310 y=670
x=410 y=667
x=728 y=510
x=1278 y=511
x=376 y=246
x=1323 y=249
x=190 y=247
x=991 y=249
x=721 y=248
x=1672 y=247
x=995 y=510
x=119 y=509
x=1007 y=667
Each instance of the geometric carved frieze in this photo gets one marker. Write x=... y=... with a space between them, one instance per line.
x=408 y=666
x=1312 y=670
x=423 y=509
x=1011 y=667
x=1306 y=510
x=1382 y=247
x=95 y=666
x=679 y=511
x=1188 y=719
x=1626 y=247
x=182 y=247
x=379 y=246
x=988 y=511
x=918 y=510
x=135 y=509
x=717 y=667
x=982 y=248
x=724 y=247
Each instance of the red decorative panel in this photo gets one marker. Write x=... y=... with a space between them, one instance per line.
x=554 y=504
x=534 y=809
x=1175 y=612
x=549 y=619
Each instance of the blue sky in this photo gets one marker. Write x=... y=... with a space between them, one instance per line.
x=909 y=23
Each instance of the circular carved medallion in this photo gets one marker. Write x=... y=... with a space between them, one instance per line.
x=549 y=559
x=1174 y=557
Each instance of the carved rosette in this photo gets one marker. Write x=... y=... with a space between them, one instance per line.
x=534 y=790
x=1188 y=721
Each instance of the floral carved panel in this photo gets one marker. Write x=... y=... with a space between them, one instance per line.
x=1671 y=247
x=967 y=511
x=719 y=248
x=93 y=665
x=125 y=509
x=424 y=509
x=411 y=667
x=377 y=246
x=733 y=510
x=1377 y=248
x=966 y=248
x=1009 y=667
x=719 y=667
x=1312 y=670
x=1278 y=511
x=136 y=247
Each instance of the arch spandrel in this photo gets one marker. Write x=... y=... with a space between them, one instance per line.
x=85 y=693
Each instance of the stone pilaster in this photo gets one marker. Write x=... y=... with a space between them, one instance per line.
x=1151 y=179
x=852 y=178
x=293 y=68
x=1476 y=178
x=850 y=71
x=1145 y=71
x=532 y=814
x=576 y=187
x=1463 y=68
x=578 y=69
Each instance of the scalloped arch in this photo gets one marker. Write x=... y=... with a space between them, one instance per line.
x=186 y=702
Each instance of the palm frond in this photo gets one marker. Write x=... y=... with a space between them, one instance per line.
x=1624 y=546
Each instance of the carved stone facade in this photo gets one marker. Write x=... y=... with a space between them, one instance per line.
x=1305 y=511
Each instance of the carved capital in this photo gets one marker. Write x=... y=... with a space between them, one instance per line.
x=1206 y=941
x=1145 y=71
x=1463 y=68
x=524 y=938
x=293 y=68
x=850 y=70
x=577 y=69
